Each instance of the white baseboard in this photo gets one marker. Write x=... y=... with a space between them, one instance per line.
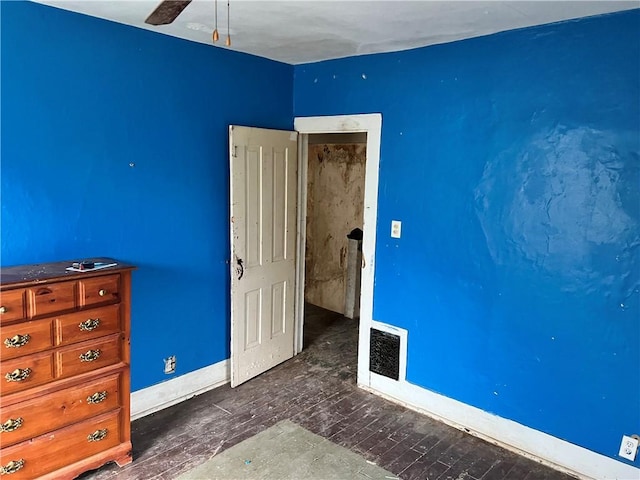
x=524 y=440
x=165 y=394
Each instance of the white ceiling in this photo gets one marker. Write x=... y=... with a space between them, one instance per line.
x=306 y=31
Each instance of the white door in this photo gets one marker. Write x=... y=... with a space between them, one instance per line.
x=263 y=246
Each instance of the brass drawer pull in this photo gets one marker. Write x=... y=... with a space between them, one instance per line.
x=17 y=341
x=3 y=309
x=11 y=425
x=97 y=435
x=102 y=292
x=89 y=324
x=97 y=397
x=18 y=375
x=90 y=355
x=12 y=467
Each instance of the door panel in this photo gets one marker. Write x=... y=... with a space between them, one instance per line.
x=278 y=304
x=253 y=166
x=279 y=250
x=263 y=213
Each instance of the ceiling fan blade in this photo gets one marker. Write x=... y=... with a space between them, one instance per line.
x=167 y=12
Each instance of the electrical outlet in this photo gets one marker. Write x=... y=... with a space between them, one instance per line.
x=629 y=447
x=170 y=364
x=396 y=228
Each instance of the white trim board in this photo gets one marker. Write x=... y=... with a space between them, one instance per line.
x=165 y=394
x=527 y=441
x=371 y=123
x=301 y=240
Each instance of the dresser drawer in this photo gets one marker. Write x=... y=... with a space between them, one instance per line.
x=26 y=372
x=25 y=338
x=51 y=451
x=88 y=356
x=97 y=290
x=52 y=298
x=12 y=305
x=26 y=420
x=88 y=324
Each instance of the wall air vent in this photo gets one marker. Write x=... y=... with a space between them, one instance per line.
x=384 y=356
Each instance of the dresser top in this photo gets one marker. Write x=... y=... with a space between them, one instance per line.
x=44 y=272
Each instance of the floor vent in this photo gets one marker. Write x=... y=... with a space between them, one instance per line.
x=385 y=354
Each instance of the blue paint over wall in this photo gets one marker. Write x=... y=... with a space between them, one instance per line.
x=82 y=99
x=513 y=161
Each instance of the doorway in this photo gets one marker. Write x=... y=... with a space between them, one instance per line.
x=336 y=165
x=335 y=213
x=267 y=314
x=365 y=128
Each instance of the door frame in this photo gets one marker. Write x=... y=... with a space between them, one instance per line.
x=371 y=124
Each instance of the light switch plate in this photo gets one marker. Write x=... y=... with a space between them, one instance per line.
x=396 y=228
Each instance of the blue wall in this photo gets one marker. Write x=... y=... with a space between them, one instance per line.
x=82 y=99
x=513 y=161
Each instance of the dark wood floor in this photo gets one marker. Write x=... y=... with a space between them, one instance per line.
x=317 y=390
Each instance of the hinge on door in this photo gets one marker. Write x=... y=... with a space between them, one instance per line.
x=235 y=151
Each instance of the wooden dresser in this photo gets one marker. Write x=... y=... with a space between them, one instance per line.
x=64 y=358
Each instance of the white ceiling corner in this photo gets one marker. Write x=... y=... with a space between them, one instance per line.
x=304 y=31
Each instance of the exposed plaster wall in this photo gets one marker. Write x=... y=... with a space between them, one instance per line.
x=335 y=201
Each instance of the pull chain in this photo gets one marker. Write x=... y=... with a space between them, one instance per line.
x=216 y=36
x=228 y=42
